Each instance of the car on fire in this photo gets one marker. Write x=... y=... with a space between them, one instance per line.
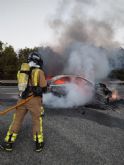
x=57 y=85
x=100 y=93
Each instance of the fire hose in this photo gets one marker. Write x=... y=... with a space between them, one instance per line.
x=22 y=102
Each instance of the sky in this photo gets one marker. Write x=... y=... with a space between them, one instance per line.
x=26 y=23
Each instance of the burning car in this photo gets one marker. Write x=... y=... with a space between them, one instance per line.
x=58 y=84
x=97 y=93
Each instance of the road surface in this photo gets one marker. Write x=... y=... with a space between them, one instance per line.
x=71 y=138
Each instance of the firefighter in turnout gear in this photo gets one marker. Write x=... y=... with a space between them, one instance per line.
x=31 y=81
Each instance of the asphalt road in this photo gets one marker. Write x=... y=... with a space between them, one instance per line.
x=95 y=138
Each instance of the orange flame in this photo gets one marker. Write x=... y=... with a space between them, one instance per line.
x=60 y=81
x=115 y=95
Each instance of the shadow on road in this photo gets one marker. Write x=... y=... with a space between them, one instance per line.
x=104 y=119
x=97 y=116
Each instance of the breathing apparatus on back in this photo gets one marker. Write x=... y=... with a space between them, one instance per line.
x=24 y=75
x=23 y=78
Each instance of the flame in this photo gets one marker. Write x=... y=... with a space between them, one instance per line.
x=60 y=81
x=115 y=95
x=66 y=80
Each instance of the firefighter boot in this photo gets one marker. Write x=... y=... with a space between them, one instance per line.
x=39 y=144
x=9 y=141
x=7 y=146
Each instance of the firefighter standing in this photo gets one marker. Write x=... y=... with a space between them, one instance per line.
x=36 y=85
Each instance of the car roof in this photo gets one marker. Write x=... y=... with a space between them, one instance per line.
x=74 y=76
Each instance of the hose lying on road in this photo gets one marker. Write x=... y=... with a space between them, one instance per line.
x=15 y=106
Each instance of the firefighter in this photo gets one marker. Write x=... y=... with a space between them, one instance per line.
x=37 y=85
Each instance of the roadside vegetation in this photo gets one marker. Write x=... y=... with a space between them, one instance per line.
x=10 y=61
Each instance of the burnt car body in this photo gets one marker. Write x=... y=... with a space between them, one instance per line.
x=57 y=85
x=99 y=92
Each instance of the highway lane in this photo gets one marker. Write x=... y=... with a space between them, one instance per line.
x=8 y=90
x=70 y=138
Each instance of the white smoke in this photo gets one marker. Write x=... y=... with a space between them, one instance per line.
x=83 y=29
x=75 y=96
x=97 y=22
x=88 y=61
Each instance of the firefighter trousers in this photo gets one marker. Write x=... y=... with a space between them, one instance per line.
x=34 y=106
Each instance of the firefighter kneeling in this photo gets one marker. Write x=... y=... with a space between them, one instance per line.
x=31 y=81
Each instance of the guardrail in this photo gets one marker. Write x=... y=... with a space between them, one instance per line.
x=117 y=82
x=8 y=82
x=14 y=82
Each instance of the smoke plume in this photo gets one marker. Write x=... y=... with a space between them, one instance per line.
x=86 y=44
x=75 y=96
x=88 y=21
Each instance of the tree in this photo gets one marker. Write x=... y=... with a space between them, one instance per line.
x=117 y=74
x=8 y=62
x=1 y=46
x=23 y=55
